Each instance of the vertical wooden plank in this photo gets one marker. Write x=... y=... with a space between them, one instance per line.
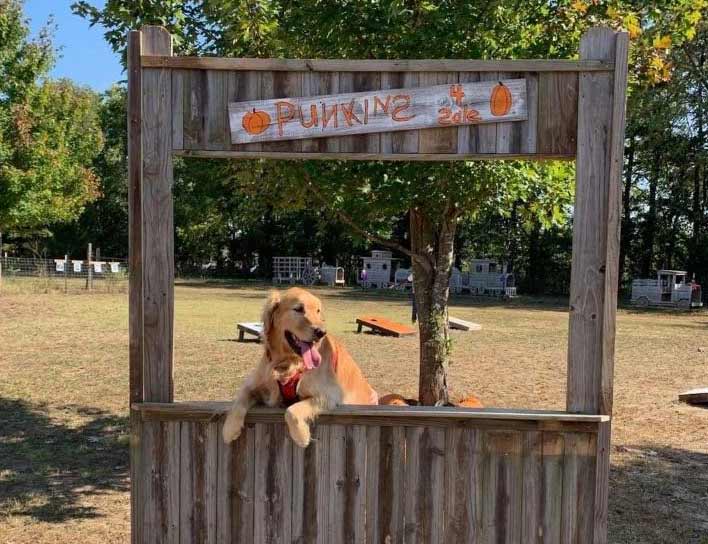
x=509 y=134
x=281 y=85
x=323 y=482
x=160 y=481
x=406 y=141
x=487 y=133
x=216 y=123
x=198 y=483
x=529 y=128
x=337 y=484
x=239 y=489
x=135 y=298
x=462 y=463
x=225 y=489
x=311 y=87
x=273 y=484
x=304 y=494
x=243 y=86
x=578 y=488
x=389 y=80
x=552 y=486
x=347 y=144
x=355 y=503
x=596 y=232
x=178 y=78
x=437 y=140
x=467 y=135
x=367 y=81
x=532 y=507
x=157 y=221
x=425 y=475
x=502 y=477
x=193 y=108
x=557 y=112
x=373 y=449
x=391 y=485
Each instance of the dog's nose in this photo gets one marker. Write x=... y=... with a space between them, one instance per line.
x=319 y=333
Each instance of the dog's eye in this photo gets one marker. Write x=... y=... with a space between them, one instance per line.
x=299 y=309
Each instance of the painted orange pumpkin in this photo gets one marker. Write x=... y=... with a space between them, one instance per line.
x=255 y=122
x=500 y=102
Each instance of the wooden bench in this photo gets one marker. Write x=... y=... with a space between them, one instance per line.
x=254 y=329
x=384 y=326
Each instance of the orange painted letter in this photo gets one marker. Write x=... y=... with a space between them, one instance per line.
x=348 y=112
x=327 y=118
x=444 y=116
x=395 y=114
x=313 y=122
x=283 y=117
x=384 y=105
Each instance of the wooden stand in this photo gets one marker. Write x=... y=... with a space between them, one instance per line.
x=418 y=474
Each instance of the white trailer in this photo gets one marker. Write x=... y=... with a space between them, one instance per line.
x=669 y=289
x=376 y=271
x=488 y=277
x=332 y=275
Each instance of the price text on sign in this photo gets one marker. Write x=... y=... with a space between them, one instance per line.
x=378 y=111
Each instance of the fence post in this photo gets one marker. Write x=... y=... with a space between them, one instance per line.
x=89 y=277
x=66 y=274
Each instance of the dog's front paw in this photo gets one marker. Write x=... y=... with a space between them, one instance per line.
x=299 y=429
x=232 y=427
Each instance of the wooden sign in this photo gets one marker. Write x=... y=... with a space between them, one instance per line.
x=382 y=110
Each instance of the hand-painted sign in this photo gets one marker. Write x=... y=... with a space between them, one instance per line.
x=382 y=110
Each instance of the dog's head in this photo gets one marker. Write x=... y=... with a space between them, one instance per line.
x=293 y=325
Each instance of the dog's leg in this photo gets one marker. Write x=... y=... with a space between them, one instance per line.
x=300 y=414
x=233 y=425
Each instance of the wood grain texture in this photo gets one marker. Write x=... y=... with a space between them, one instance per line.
x=135 y=218
x=462 y=478
x=467 y=135
x=529 y=128
x=509 y=134
x=198 y=489
x=157 y=222
x=273 y=484
x=245 y=85
x=557 y=113
x=391 y=485
x=346 y=65
x=424 y=481
x=553 y=448
x=216 y=118
x=487 y=134
x=193 y=109
x=440 y=140
x=322 y=479
x=178 y=81
x=533 y=496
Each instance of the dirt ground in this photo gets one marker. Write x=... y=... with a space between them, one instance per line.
x=64 y=389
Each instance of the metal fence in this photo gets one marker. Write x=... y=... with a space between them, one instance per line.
x=22 y=274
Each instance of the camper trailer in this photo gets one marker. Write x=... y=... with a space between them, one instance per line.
x=669 y=289
x=376 y=270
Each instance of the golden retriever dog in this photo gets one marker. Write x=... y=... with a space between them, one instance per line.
x=302 y=367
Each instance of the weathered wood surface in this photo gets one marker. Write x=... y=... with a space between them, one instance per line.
x=201 y=99
x=596 y=235
x=347 y=65
x=439 y=101
x=156 y=219
x=359 y=484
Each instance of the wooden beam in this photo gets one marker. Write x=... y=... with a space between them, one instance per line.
x=290 y=155
x=341 y=65
x=596 y=226
x=157 y=220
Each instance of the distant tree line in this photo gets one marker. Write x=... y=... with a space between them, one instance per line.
x=63 y=173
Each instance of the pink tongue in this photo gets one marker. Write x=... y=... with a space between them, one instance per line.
x=310 y=355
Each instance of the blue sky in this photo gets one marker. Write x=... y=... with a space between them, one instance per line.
x=84 y=56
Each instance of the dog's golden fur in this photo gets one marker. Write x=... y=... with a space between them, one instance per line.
x=298 y=312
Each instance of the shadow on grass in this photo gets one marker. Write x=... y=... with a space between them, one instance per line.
x=48 y=468
x=658 y=494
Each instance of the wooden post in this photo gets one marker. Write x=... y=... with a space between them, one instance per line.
x=89 y=275
x=596 y=230
x=66 y=274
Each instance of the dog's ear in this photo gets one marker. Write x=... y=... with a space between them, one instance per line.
x=269 y=310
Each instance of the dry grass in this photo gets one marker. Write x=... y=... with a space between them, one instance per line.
x=63 y=393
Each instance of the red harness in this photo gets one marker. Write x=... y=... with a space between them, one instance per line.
x=288 y=390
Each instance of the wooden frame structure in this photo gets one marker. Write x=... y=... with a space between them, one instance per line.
x=376 y=474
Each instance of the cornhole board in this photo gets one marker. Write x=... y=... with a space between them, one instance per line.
x=384 y=326
x=695 y=396
x=254 y=329
x=462 y=325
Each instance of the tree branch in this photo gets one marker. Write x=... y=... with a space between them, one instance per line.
x=347 y=220
x=695 y=68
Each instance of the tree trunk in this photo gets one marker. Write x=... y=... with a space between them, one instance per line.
x=434 y=245
x=650 y=226
x=627 y=226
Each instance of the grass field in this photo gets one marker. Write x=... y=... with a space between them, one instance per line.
x=64 y=385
